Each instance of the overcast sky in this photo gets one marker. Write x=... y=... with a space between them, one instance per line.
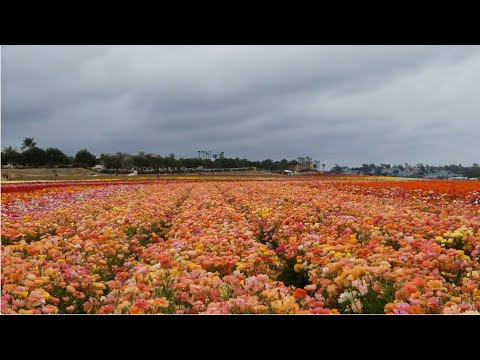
x=337 y=104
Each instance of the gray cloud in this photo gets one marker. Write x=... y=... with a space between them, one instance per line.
x=337 y=104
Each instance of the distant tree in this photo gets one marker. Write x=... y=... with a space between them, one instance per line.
x=170 y=161
x=421 y=170
x=85 y=157
x=10 y=156
x=54 y=156
x=28 y=143
x=292 y=163
x=125 y=160
x=266 y=164
x=33 y=157
x=110 y=161
x=336 y=169
x=140 y=160
x=473 y=172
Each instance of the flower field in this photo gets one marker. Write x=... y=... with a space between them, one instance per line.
x=313 y=246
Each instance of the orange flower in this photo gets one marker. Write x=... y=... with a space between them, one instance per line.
x=416 y=309
x=160 y=302
x=134 y=309
x=434 y=284
x=389 y=308
x=300 y=293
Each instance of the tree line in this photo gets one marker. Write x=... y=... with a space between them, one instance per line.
x=418 y=170
x=33 y=156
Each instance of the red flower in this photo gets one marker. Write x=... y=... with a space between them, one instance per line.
x=300 y=293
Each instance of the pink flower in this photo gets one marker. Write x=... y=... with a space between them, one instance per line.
x=142 y=303
x=363 y=289
x=453 y=309
x=106 y=309
x=401 y=308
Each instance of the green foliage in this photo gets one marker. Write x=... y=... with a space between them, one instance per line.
x=292 y=278
x=55 y=156
x=66 y=299
x=10 y=156
x=28 y=143
x=84 y=156
x=374 y=303
x=33 y=157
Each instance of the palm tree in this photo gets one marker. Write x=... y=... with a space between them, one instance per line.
x=323 y=168
x=199 y=154
x=28 y=143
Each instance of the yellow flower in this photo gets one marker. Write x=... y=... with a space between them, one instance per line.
x=192 y=266
x=174 y=271
x=456 y=299
x=457 y=234
x=23 y=294
x=45 y=294
x=298 y=267
x=98 y=285
x=60 y=260
x=240 y=266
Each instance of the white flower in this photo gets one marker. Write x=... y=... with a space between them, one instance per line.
x=345 y=296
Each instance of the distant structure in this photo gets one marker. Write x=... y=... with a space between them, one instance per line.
x=305 y=163
x=98 y=167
